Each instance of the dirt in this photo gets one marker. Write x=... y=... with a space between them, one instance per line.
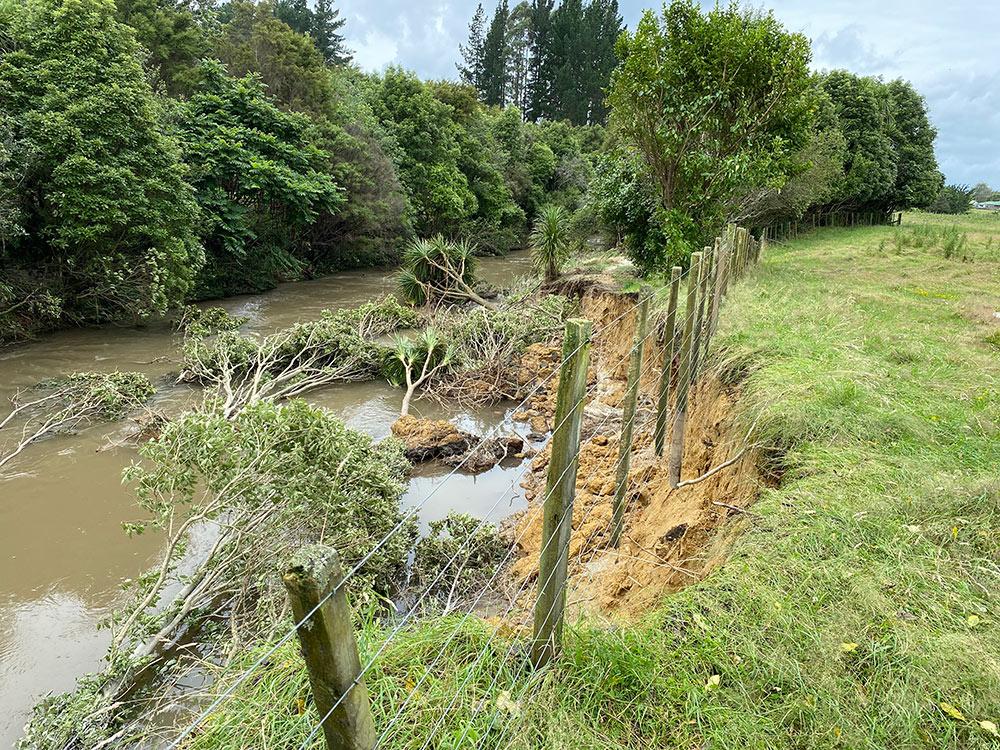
x=672 y=537
x=440 y=440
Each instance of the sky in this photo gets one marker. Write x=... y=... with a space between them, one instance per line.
x=950 y=51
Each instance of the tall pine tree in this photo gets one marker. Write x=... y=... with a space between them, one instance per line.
x=325 y=32
x=493 y=87
x=539 y=60
x=471 y=72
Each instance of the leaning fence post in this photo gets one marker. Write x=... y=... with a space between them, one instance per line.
x=699 y=322
x=329 y=647
x=684 y=373
x=712 y=303
x=628 y=420
x=560 y=489
x=667 y=371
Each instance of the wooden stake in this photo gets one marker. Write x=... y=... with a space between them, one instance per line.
x=330 y=648
x=684 y=373
x=667 y=370
x=560 y=489
x=628 y=420
x=697 y=342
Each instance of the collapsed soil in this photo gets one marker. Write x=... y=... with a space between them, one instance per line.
x=672 y=537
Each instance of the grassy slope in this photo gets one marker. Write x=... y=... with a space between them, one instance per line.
x=870 y=367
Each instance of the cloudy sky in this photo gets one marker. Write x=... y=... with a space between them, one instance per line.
x=949 y=50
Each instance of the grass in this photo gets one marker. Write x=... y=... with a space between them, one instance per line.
x=859 y=610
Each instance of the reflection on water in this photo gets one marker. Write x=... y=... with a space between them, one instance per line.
x=62 y=550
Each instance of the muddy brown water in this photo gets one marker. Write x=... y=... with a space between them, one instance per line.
x=63 y=553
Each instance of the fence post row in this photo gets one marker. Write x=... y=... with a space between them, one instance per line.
x=329 y=647
x=560 y=488
x=667 y=370
x=628 y=419
x=684 y=372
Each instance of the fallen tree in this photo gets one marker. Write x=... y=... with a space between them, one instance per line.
x=340 y=346
x=438 y=271
x=255 y=486
x=65 y=404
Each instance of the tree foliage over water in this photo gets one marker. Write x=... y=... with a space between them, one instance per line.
x=153 y=151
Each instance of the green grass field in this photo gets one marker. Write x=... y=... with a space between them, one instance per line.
x=859 y=610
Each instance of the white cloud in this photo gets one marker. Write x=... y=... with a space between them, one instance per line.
x=375 y=51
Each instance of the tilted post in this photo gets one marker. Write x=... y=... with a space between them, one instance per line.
x=712 y=303
x=698 y=342
x=560 y=489
x=628 y=419
x=684 y=373
x=667 y=371
x=329 y=647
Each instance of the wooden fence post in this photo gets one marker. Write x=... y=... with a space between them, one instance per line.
x=628 y=420
x=667 y=371
x=329 y=647
x=684 y=373
x=699 y=322
x=560 y=489
x=712 y=316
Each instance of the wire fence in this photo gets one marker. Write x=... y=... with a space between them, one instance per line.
x=708 y=280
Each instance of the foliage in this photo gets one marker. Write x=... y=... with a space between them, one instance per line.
x=488 y=344
x=170 y=32
x=258 y=179
x=106 y=214
x=280 y=477
x=952 y=199
x=323 y=25
x=64 y=404
x=460 y=553
x=206 y=321
x=423 y=128
x=339 y=346
x=884 y=533
x=366 y=230
x=713 y=102
x=550 y=241
x=437 y=270
x=413 y=362
x=552 y=63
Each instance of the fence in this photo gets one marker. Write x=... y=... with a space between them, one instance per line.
x=316 y=583
x=793 y=228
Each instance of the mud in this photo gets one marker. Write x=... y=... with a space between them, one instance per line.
x=672 y=537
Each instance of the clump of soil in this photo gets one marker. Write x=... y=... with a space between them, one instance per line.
x=440 y=440
x=672 y=536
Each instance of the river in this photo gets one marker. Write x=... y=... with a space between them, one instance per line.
x=63 y=553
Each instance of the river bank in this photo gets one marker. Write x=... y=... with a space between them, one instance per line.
x=64 y=552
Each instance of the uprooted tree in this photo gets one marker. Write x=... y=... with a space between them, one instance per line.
x=439 y=271
x=413 y=362
x=64 y=404
x=340 y=346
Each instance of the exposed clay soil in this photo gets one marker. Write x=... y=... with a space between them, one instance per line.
x=672 y=537
x=440 y=440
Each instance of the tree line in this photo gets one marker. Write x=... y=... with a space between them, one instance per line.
x=551 y=61
x=155 y=151
x=716 y=116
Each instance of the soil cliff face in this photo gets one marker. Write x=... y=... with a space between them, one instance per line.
x=672 y=537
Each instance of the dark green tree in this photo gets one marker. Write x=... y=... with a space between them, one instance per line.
x=429 y=151
x=107 y=215
x=326 y=33
x=710 y=103
x=495 y=58
x=539 y=74
x=470 y=70
x=918 y=180
x=952 y=199
x=370 y=227
x=172 y=36
x=518 y=51
x=259 y=181
x=295 y=13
